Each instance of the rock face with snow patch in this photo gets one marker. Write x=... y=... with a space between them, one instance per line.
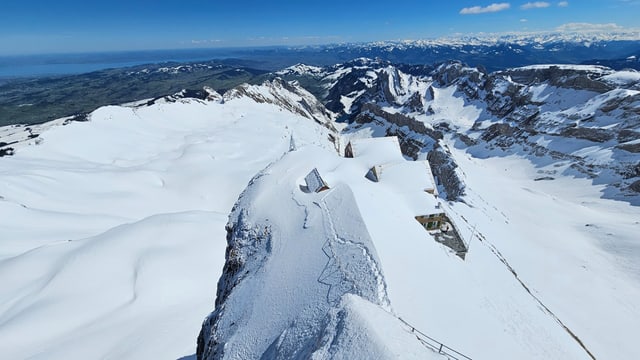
x=585 y=118
x=287 y=95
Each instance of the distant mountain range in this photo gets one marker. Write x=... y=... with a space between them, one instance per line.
x=45 y=98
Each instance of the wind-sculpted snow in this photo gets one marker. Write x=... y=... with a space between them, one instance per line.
x=292 y=256
x=112 y=233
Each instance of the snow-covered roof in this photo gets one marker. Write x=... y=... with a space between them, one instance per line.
x=377 y=151
x=314 y=181
x=410 y=175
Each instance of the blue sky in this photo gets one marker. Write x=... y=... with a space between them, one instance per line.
x=53 y=26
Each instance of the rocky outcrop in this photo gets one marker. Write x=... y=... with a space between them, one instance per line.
x=401 y=120
x=451 y=72
x=497 y=130
x=289 y=96
x=519 y=109
x=633 y=148
x=444 y=170
x=247 y=247
x=591 y=134
x=579 y=78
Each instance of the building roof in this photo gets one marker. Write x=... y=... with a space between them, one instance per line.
x=377 y=151
x=314 y=181
x=412 y=175
x=411 y=180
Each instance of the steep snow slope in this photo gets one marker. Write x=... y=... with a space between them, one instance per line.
x=293 y=255
x=577 y=253
x=112 y=230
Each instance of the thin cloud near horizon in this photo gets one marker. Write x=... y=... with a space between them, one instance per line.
x=495 y=7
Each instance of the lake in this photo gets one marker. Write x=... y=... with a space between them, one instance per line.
x=67 y=64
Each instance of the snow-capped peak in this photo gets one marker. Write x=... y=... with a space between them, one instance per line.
x=287 y=95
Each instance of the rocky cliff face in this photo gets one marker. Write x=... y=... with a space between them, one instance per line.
x=287 y=95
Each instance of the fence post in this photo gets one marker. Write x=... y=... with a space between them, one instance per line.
x=440 y=350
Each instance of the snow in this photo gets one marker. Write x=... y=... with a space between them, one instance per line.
x=376 y=151
x=577 y=252
x=452 y=109
x=112 y=232
x=410 y=180
x=586 y=68
x=368 y=332
x=622 y=78
x=529 y=267
x=347 y=101
x=113 y=237
x=318 y=251
x=415 y=175
x=302 y=69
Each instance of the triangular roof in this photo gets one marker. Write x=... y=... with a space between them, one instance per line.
x=314 y=181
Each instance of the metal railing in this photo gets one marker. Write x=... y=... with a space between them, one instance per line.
x=434 y=344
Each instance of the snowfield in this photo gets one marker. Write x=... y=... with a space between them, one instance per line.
x=112 y=242
x=112 y=233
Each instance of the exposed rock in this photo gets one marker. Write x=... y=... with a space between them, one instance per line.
x=8 y=151
x=347 y=84
x=467 y=140
x=591 y=134
x=496 y=130
x=388 y=80
x=287 y=95
x=82 y=117
x=400 y=119
x=450 y=72
x=245 y=243
x=444 y=170
x=634 y=148
x=574 y=78
x=415 y=103
x=628 y=135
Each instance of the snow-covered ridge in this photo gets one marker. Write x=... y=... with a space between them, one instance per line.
x=291 y=258
x=302 y=69
x=286 y=95
x=303 y=271
x=112 y=235
x=177 y=69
